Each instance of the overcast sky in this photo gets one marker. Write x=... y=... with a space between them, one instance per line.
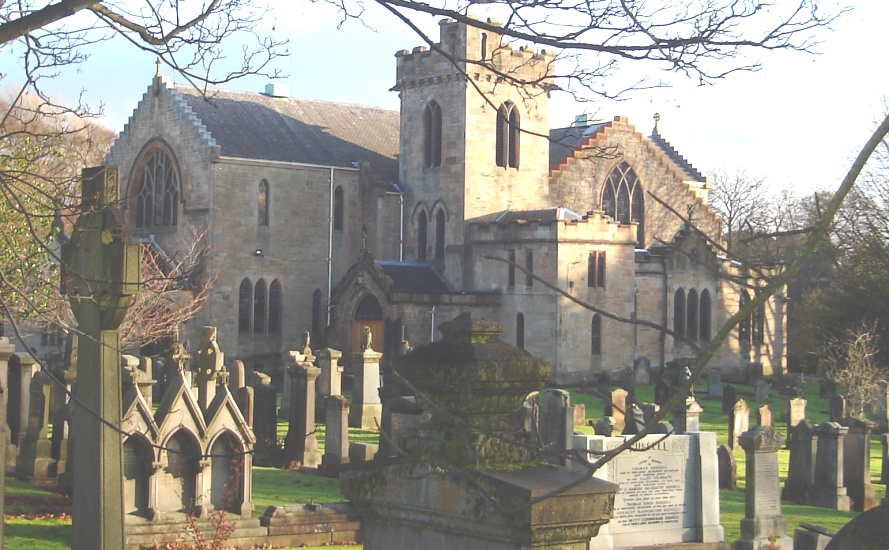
x=797 y=122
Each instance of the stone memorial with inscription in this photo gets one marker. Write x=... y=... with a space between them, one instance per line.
x=764 y=416
x=801 y=467
x=856 y=463
x=828 y=489
x=668 y=490
x=763 y=525
x=366 y=410
x=35 y=450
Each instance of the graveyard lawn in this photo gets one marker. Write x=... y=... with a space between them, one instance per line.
x=274 y=486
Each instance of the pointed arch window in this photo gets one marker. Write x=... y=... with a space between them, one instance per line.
x=245 y=303
x=623 y=199
x=484 y=46
x=422 y=229
x=508 y=134
x=744 y=325
x=260 y=302
x=691 y=319
x=432 y=135
x=596 y=335
x=520 y=331
x=706 y=316
x=275 y=307
x=758 y=326
x=156 y=188
x=679 y=316
x=440 y=235
x=262 y=200
x=338 y=207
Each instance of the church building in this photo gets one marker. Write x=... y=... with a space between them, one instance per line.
x=328 y=217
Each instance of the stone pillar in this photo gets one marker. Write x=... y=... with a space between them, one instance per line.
x=336 y=435
x=35 y=451
x=146 y=381
x=557 y=425
x=209 y=361
x=687 y=416
x=828 y=489
x=801 y=469
x=763 y=525
x=366 y=409
x=100 y=275
x=301 y=444
x=28 y=367
x=330 y=380
x=856 y=463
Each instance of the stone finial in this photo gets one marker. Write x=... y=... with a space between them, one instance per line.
x=307 y=346
x=366 y=338
x=405 y=348
x=179 y=355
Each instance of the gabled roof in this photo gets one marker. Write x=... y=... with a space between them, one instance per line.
x=256 y=126
x=414 y=278
x=564 y=141
x=674 y=155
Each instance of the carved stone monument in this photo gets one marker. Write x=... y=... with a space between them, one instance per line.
x=366 y=409
x=763 y=524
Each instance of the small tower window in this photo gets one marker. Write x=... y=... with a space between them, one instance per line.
x=679 y=316
x=520 y=331
x=596 y=269
x=338 y=208
x=440 y=235
x=508 y=131
x=422 y=229
x=596 y=335
x=245 y=312
x=275 y=307
x=262 y=202
x=484 y=48
x=432 y=135
x=260 y=302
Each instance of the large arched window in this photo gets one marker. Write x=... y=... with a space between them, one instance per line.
x=422 y=228
x=520 y=331
x=706 y=316
x=155 y=185
x=691 y=319
x=679 y=315
x=262 y=201
x=245 y=301
x=508 y=133
x=338 y=207
x=623 y=199
x=260 y=302
x=275 y=307
x=440 y=234
x=596 y=335
x=432 y=135
x=369 y=309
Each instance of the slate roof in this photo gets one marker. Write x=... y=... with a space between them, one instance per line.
x=674 y=155
x=542 y=215
x=256 y=126
x=564 y=141
x=414 y=278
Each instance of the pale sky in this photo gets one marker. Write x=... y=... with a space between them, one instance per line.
x=797 y=122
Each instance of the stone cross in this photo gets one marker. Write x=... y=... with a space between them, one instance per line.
x=763 y=523
x=100 y=275
x=209 y=363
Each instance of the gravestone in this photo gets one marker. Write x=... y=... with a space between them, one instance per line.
x=728 y=469
x=265 y=420
x=801 y=466
x=100 y=275
x=827 y=388
x=635 y=422
x=35 y=450
x=811 y=537
x=336 y=435
x=837 y=408
x=828 y=489
x=237 y=377
x=6 y=350
x=764 y=416
x=642 y=371
x=301 y=445
x=763 y=525
x=244 y=399
x=617 y=408
x=580 y=415
x=649 y=410
x=556 y=425
x=738 y=422
x=362 y=452
x=406 y=414
x=209 y=361
x=669 y=490
x=856 y=463
x=605 y=426
x=60 y=419
x=603 y=386
x=761 y=391
x=729 y=398
x=22 y=367
x=661 y=392
x=754 y=373
x=714 y=384
x=796 y=412
x=330 y=381
x=687 y=416
x=366 y=410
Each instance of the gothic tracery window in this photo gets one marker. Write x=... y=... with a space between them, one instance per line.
x=156 y=188
x=262 y=200
x=623 y=199
x=508 y=134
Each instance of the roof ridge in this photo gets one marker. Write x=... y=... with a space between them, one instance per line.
x=293 y=98
x=671 y=151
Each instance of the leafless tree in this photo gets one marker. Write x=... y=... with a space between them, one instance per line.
x=852 y=363
x=741 y=201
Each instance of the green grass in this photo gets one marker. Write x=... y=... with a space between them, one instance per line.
x=273 y=486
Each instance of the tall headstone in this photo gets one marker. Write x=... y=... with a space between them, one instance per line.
x=761 y=391
x=738 y=422
x=764 y=416
x=237 y=377
x=856 y=463
x=209 y=361
x=330 y=381
x=556 y=425
x=7 y=449
x=301 y=444
x=617 y=408
x=729 y=398
x=828 y=489
x=796 y=412
x=827 y=388
x=836 y=408
x=728 y=469
x=635 y=422
x=100 y=275
x=366 y=409
x=687 y=416
x=763 y=525
x=23 y=366
x=801 y=467
x=336 y=435
x=35 y=451
x=244 y=399
x=661 y=392
x=714 y=384
x=642 y=371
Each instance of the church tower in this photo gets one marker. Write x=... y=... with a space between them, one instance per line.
x=474 y=138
